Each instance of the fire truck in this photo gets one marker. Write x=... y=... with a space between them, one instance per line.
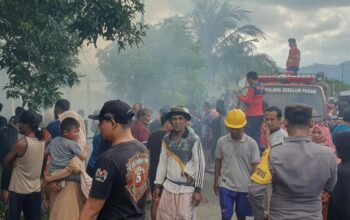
x=286 y=89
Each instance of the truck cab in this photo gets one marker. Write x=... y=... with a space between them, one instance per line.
x=285 y=90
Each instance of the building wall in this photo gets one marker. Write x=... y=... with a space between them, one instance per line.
x=9 y=105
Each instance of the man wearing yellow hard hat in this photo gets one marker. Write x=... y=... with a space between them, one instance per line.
x=237 y=155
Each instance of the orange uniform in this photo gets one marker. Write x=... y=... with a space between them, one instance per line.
x=293 y=57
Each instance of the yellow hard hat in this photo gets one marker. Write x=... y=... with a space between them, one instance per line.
x=235 y=119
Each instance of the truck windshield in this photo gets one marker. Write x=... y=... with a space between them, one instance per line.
x=283 y=95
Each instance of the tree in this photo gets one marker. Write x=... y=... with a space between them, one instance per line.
x=166 y=69
x=228 y=48
x=39 y=41
x=336 y=86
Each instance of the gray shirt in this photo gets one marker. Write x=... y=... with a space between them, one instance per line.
x=62 y=150
x=237 y=159
x=301 y=171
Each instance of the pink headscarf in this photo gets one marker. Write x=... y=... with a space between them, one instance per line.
x=327 y=138
x=326 y=133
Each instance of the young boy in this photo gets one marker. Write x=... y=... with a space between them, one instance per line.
x=68 y=201
x=63 y=148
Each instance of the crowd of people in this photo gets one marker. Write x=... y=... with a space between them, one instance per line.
x=264 y=166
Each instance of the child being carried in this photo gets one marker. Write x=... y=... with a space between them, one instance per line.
x=64 y=148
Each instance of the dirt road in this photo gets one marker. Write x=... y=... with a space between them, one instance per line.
x=210 y=209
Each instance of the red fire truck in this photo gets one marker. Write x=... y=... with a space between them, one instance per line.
x=285 y=89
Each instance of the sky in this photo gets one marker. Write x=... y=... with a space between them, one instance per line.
x=321 y=27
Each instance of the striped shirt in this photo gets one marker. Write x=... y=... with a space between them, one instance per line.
x=181 y=166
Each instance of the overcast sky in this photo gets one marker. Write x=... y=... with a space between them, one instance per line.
x=321 y=27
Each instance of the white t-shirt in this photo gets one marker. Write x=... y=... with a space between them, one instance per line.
x=277 y=137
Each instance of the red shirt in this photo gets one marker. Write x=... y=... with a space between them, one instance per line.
x=293 y=57
x=140 y=131
x=253 y=100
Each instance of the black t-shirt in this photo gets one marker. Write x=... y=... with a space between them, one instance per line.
x=8 y=137
x=121 y=178
x=104 y=146
x=216 y=127
x=3 y=122
x=155 y=125
x=154 y=145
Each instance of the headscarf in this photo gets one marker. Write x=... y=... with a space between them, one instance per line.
x=326 y=133
x=76 y=116
x=322 y=133
x=76 y=165
x=327 y=139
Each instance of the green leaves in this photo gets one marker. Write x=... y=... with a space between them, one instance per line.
x=336 y=86
x=227 y=42
x=110 y=19
x=39 y=41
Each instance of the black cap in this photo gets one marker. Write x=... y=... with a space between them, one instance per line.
x=115 y=109
x=179 y=110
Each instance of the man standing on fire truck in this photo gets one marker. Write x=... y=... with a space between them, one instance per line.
x=293 y=60
x=253 y=106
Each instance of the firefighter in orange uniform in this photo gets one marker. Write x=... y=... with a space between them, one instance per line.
x=293 y=60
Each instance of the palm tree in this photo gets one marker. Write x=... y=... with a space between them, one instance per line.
x=215 y=24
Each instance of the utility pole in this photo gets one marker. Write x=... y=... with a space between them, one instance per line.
x=342 y=72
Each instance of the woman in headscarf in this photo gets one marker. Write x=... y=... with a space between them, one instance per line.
x=319 y=137
x=66 y=201
x=339 y=204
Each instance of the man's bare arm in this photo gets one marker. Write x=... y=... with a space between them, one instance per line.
x=17 y=150
x=254 y=165
x=218 y=164
x=91 y=209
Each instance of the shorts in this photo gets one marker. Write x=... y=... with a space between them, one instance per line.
x=175 y=206
x=228 y=198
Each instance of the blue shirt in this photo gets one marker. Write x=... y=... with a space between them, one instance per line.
x=96 y=141
x=54 y=129
x=339 y=128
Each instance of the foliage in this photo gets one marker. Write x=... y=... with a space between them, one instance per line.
x=39 y=41
x=228 y=48
x=336 y=86
x=166 y=69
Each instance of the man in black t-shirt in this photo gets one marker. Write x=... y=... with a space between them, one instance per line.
x=3 y=120
x=154 y=146
x=157 y=124
x=8 y=137
x=119 y=186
